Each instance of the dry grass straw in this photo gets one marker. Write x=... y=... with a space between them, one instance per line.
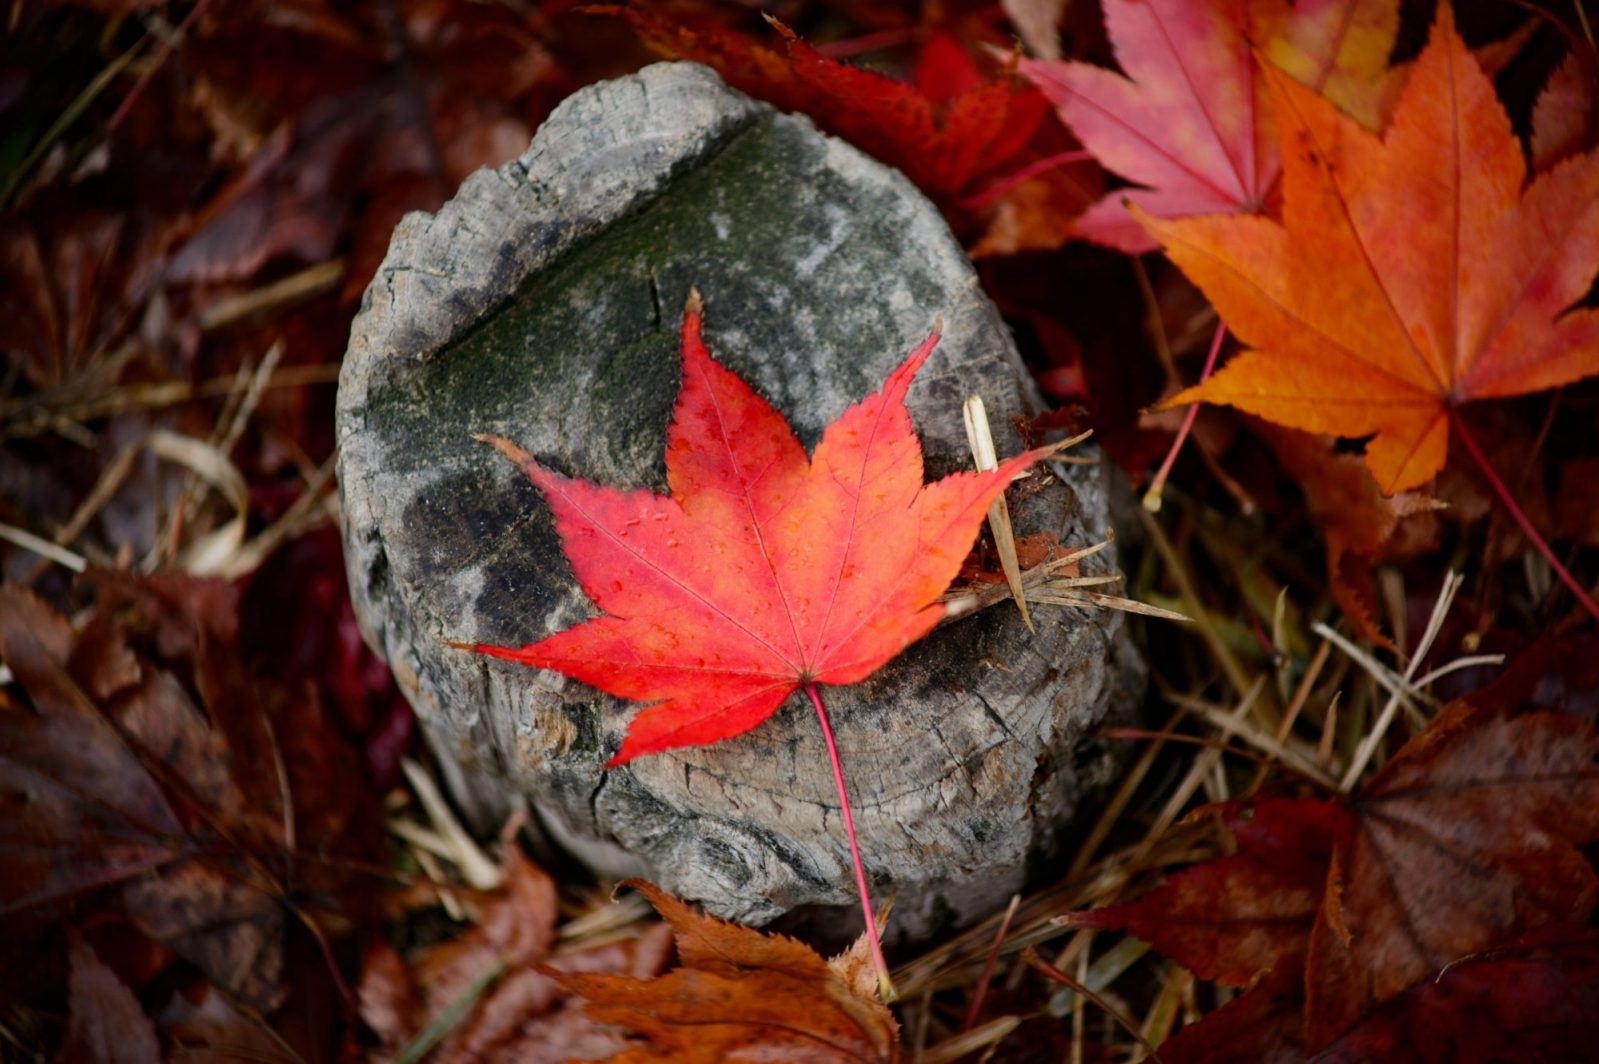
x=981 y=439
x=1294 y=694
x=199 y=535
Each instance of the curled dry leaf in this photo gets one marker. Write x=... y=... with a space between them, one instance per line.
x=501 y=975
x=1358 y=523
x=739 y=994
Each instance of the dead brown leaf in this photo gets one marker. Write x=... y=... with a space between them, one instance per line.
x=106 y=1023
x=113 y=776
x=740 y=994
x=504 y=971
x=1466 y=839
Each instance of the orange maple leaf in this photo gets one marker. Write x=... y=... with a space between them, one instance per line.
x=1190 y=120
x=1412 y=273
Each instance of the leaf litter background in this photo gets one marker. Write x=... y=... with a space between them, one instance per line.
x=1346 y=833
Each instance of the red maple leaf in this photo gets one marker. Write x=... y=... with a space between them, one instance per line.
x=945 y=130
x=763 y=571
x=1235 y=917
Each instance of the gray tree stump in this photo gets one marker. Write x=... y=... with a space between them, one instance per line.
x=542 y=304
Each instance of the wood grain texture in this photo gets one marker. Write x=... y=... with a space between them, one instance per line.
x=542 y=304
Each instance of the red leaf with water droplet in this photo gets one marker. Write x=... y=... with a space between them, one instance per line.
x=764 y=570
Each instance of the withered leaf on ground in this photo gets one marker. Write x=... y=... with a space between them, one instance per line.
x=739 y=994
x=106 y=1024
x=508 y=960
x=1239 y=917
x=114 y=777
x=1466 y=840
x=1535 y=1001
x=1264 y=1025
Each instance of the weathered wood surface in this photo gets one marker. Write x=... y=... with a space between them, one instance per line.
x=542 y=304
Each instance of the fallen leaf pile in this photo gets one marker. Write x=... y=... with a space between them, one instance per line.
x=500 y=990
x=1360 y=236
x=1412 y=272
x=1469 y=840
x=737 y=994
x=179 y=812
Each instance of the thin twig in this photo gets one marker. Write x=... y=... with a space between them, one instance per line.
x=1196 y=773
x=40 y=413
x=1237 y=675
x=1296 y=704
x=167 y=45
x=475 y=867
x=1460 y=663
x=1157 y=486
x=981 y=439
x=988 y=966
x=70 y=114
x=1049 y=971
x=43 y=548
x=1257 y=737
x=1386 y=678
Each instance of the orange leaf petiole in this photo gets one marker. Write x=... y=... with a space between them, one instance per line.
x=1521 y=520
x=885 y=985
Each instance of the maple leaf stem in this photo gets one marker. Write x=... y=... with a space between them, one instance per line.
x=1520 y=517
x=1158 y=484
x=885 y=985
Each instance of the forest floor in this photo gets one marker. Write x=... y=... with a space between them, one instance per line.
x=1360 y=816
